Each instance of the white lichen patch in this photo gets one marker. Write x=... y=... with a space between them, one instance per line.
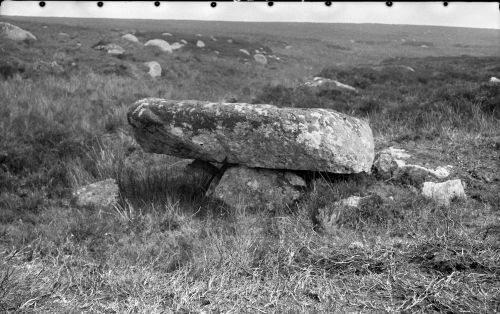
x=311 y=139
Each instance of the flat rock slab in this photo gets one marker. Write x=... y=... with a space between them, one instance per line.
x=258 y=136
x=242 y=187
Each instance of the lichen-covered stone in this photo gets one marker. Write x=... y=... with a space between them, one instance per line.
x=260 y=136
x=241 y=187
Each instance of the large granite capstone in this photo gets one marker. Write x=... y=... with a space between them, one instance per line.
x=262 y=136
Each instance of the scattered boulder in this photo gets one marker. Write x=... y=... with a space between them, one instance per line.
x=176 y=46
x=230 y=41
x=166 y=34
x=110 y=48
x=494 y=80
x=131 y=38
x=101 y=194
x=160 y=43
x=241 y=187
x=260 y=58
x=183 y=41
x=16 y=33
x=154 y=68
x=63 y=34
x=200 y=44
x=321 y=81
x=288 y=47
x=444 y=192
x=245 y=51
x=263 y=136
x=213 y=38
x=389 y=164
x=199 y=35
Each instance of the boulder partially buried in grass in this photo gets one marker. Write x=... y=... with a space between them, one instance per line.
x=260 y=136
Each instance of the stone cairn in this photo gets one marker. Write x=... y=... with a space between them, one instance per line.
x=253 y=151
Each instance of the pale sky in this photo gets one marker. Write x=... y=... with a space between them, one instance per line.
x=462 y=14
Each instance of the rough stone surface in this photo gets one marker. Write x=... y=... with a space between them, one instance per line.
x=444 y=192
x=131 y=38
x=154 y=68
x=100 y=194
x=261 y=136
x=13 y=32
x=389 y=164
x=260 y=58
x=241 y=187
x=160 y=43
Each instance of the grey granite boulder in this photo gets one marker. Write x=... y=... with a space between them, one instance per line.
x=14 y=32
x=260 y=136
x=241 y=187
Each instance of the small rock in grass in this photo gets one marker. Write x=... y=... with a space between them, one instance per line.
x=444 y=192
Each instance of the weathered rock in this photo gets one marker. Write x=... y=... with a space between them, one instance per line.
x=389 y=164
x=154 y=68
x=321 y=81
x=131 y=38
x=183 y=41
x=111 y=48
x=200 y=44
x=160 y=43
x=241 y=187
x=166 y=34
x=444 y=192
x=494 y=80
x=261 y=136
x=260 y=58
x=176 y=46
x=230 y=41
x=245 y=51
x=100 y=194
x=13 y=32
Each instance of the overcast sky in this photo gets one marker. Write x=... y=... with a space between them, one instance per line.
x=462 y=14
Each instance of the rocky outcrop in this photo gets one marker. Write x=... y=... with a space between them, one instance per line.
x=101 y=194
x=241 y=187
x=442 y=193
x=154 y=68
x=16 y=33
x=160 y=43
x=260 y=136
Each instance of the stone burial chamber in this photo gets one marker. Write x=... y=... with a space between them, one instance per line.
x=266 y=142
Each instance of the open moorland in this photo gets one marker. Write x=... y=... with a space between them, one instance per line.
x=166 y=247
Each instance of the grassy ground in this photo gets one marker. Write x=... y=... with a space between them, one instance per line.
x=167 y=248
